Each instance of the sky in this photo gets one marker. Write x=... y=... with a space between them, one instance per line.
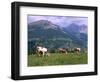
x=62 y=21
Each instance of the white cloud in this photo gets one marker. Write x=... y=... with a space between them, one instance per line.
x=59 y=20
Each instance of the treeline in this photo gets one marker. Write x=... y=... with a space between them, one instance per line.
x=51 y=45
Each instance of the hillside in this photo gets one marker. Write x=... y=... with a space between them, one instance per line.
x=52 y=36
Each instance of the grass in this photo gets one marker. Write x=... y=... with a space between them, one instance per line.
x=57 y=59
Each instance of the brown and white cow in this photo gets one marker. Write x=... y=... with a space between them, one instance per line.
x=42 y=51
x=77 y=50
x=62 y=50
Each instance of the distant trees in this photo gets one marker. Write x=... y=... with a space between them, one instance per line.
x=52 y=45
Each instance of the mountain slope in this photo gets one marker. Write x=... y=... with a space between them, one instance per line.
x=52 y=36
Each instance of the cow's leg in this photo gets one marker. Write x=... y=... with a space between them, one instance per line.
x=47 y=54
x=43 y=54
x=36 y=53
x=39 y=53
x=77 y=52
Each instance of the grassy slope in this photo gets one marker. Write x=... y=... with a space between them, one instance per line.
x=57 y=59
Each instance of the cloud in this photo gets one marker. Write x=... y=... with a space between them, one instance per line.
x=60 y=20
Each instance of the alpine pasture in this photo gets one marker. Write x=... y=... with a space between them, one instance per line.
x=57 y=33
x=57 y=59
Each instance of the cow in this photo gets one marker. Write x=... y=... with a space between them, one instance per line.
x=77 y=50
x=41 y=51
x=62 y=50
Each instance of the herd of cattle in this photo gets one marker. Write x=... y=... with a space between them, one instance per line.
x=42 y=51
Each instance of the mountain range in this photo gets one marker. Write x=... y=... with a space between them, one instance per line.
x=52 y=36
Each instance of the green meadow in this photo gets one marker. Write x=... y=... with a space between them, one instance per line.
x=57 y=59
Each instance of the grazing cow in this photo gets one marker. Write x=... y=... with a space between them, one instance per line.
x=41 y=51
x=62 y=50
x=77 y=50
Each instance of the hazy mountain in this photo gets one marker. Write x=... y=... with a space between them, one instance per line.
x=76 y=28
x=83 y=29
x=78 y=33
